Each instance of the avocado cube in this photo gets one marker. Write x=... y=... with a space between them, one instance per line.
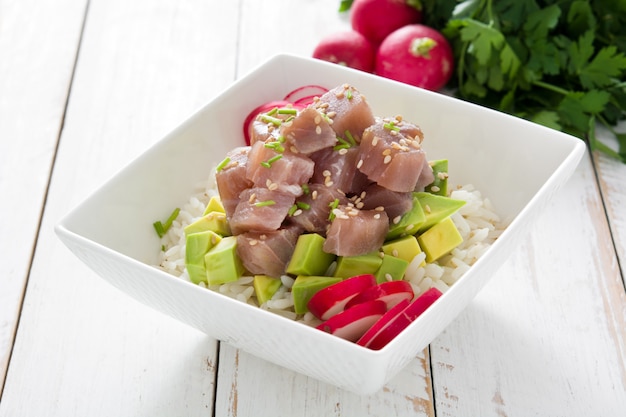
x=405 y=247
x=440 y=184
x=440 y=239
x=222 y=263
x=436 y=208
x=196 y=246
x=392 y=268
x=265 y=287
x=409 y=222
x=215 y=204
x=214 y=221
x=308 y=257
x=349 y=266
x=304 y=287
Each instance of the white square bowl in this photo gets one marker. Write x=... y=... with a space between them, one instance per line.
x=518 y=165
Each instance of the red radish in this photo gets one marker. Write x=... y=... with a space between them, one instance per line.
x=305 y=94
x=332 y=300
x=404 y=318
x=417 y=55
x=391 y=292
x=348 y=48
x=382 y=322
x=351 y=324
x=375 y=19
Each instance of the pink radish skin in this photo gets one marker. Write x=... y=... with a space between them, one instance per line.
x=332 y=300
x=391 y=292
x=382 y=322
x=404 y=318
x=375 y=19
x=351 y=324
x=417 y=55
x=348 y=48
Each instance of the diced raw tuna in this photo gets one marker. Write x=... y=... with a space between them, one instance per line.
x=267 y=253
x=231 y=179
x=308 y=132
x=356 y=232
x=348 y=110
x=390 y=157
x=313 y=208
x=261 y=131
x=261 y=210
x=337 y=169
x=394 y=203
x=283 y=171
x=426 y=176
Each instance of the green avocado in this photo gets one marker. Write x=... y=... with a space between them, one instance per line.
x=409 y=222
x=304 y=287
x=308 y=257
x=391 y=267
x=436 y=208
x=196 y=246
x=440 y=239
x=265 y=287
x=214 y=221
x=222 y=263
x=440 y=170
x=405 y=248
x=349 y=266
x=215 y=204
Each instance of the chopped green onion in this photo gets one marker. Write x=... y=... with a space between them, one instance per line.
x=350 y=138
x=269 y=162
x=391 y=126
x=287 y=111
x=269 y=119
x=343 y=144
x=222 y=164
x=162 y=228
x=349 y=94
x=305 y=188
x=303 y=206
x=333 y=205
x=272 y=112
x=292 y=210
x=264 y=203
x=290 y=118
x=276 y=145
x=281 y=139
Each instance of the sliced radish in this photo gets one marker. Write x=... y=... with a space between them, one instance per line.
x=382 y=322
x=306 y=91
x=391 y=292
x=332 y=300
x=403 y=319
x=351 y=324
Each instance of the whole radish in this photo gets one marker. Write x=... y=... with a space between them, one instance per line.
x=347 y=48
x=375 y=19
x=418 y=55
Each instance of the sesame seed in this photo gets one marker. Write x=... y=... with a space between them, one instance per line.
x=331 y=114
x=387 y=152
x=379 y=208
x=381 y=255
x=253 y=242
x=360 y=205
x=387 y=159
x=317 y=119
x=273 y=186
x=435 y=189
x=395 y=252
x=326 y=173
x=314 y=195
x=377 y=216
x=359 y=164
x=268 y=182
x=252 y=197
x=442 y=175
x=388 y=277
x=409 y=227
x=293 y=149
x=318 y=129
x=397 y=219
x=297 y=212
x=375 y=141
x=393 y=133
x=427 y=208
x=263 y=237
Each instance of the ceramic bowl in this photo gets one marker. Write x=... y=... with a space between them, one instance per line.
x=518 y=165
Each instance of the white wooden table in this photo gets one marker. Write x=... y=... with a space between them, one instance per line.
x=87 y=85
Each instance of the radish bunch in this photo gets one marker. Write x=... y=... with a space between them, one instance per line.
x=388 y=39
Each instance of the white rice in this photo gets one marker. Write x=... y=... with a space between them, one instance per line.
x=477 y=222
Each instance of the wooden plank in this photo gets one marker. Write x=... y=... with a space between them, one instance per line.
x=612 y=179
x=38 y=44
x=547 y=336
x=83 y=348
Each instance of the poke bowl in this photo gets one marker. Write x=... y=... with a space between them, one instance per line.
x=500 y=171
